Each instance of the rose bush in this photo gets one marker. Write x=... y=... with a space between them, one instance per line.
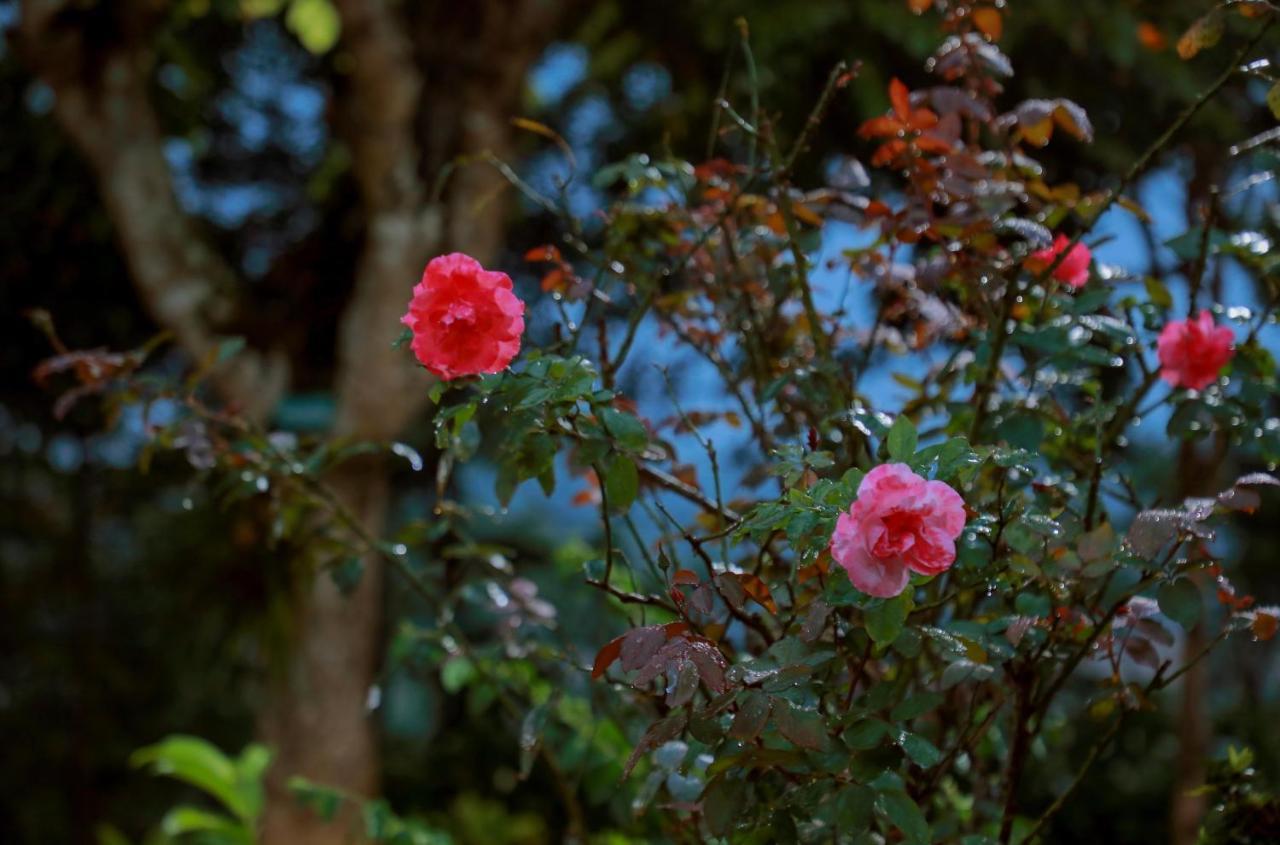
x=761 y=664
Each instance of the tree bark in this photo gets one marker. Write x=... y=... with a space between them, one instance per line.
x=1197 y=474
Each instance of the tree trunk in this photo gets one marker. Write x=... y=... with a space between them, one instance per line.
x=1197 y=474
x=317 y=717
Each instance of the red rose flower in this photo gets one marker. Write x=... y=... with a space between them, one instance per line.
x=1193 y=352
x=465 y=319
x=1074 y=269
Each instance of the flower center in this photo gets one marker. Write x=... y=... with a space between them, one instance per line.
x=458 y=312
x=898 y=533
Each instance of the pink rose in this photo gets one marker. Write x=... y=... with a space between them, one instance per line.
x=1074 y=269
x=465 y=319
x=900 y=523
x=1193 y=352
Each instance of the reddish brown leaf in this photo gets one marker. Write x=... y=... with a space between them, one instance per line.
x=685 y=576
x=546 y=252
x=900 y=98
x=1266 y=620
x=881 y=127
x=1150 y=37
x=758 y=590
x=556 y=280
x=640 y=644
x=606 y=656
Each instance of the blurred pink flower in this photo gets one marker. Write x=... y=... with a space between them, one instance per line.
x=1193 y=352
x=1074 y=269
x=465 y=319
x=900 y=523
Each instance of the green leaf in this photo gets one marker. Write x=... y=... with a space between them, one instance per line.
x=901 y=439
x=321 y=800
x=722 y=802
x=215 y=827
x=621 y=483
x=315 y=23
x=916 y=706
x=1273 y=100
x=535 y=722
x=884 y=621
x=806 y=728
x=625 y=429
x=865 y=734
x=199 y=763
x=1157 y=292
x=965 y=670
x=853 y=807
x=921 y=751
x=456 y=673
x=1180 y=601
x=900 y=811
x=106 y=834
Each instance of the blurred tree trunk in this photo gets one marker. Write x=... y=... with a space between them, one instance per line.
x=1197 y=476
x=417 y=94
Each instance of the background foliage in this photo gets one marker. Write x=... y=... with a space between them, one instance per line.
x=140 y=606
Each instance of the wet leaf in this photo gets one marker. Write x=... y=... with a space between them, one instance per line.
x=639 y=646
x=722 y=803
x=884 y=621
x=658 y=733
x=606 y=656
x=753 y=712
x=901 y=440
x=806 y=728
x=1180 y=601
x=900 y=811
x=815 y=620
x=921 y=751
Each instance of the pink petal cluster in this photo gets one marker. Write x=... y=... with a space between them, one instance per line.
x=899 y=524
x=1074 y=269
x=1193 y=352
x=465 y=319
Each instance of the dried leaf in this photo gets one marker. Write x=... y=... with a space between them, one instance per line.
x=989 y=22
x=1201 y=35
x=759 y=591
x=1266 y=620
